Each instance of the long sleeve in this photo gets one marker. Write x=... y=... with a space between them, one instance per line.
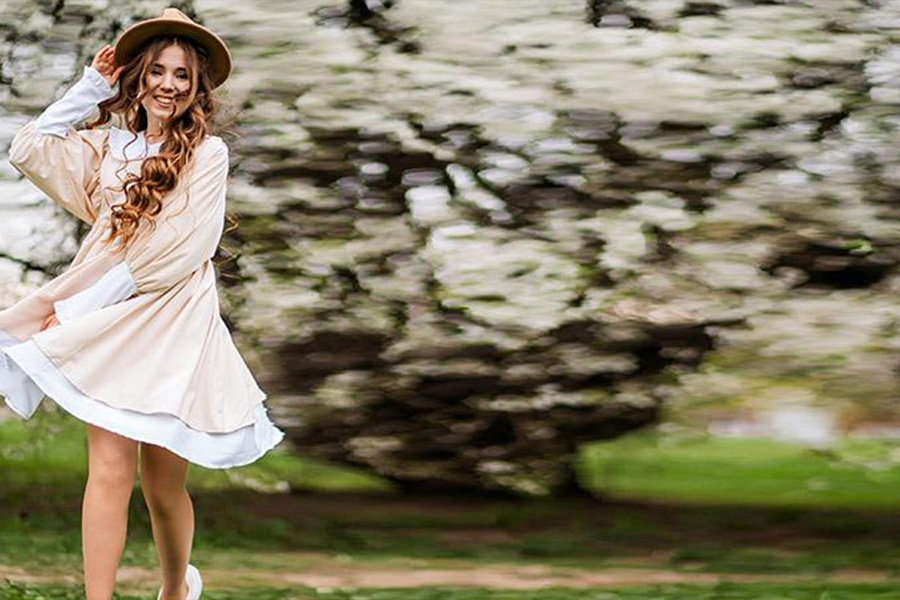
x=60 y=160
x=186 y=236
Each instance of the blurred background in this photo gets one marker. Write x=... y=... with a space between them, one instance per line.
x=554 y=299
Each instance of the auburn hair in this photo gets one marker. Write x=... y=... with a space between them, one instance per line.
x=159 y=174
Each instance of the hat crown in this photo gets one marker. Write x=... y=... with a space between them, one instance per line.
x=175 y=14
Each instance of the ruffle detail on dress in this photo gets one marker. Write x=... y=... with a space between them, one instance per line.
x=22 y=395
x=27 y=375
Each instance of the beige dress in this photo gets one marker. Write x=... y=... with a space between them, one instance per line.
x=141 y=348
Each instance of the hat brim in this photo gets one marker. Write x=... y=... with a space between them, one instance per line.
x=133 y=39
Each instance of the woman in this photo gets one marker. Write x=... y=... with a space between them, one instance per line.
x=129 y=339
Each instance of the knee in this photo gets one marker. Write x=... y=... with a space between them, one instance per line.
x=162 y=497
x=112 y=472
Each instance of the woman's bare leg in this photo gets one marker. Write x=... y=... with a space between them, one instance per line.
x=112 y=463
x=163 y=475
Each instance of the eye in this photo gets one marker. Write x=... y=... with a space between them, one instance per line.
x=183 y=76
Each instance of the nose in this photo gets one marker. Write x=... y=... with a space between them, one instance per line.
x=168 y=83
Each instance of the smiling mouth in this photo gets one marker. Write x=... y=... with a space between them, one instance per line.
x=164 y=102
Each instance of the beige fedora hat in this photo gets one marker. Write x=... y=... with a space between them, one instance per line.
x=174 y=22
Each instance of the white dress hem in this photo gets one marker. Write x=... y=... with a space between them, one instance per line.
x=26 y=375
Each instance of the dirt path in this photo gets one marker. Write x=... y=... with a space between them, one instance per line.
x=328 y=572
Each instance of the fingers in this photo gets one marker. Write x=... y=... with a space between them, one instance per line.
x=103 y=52
x=105 y=57
x=49 y=321
x=105 y=63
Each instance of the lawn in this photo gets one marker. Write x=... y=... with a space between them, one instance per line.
x=697 y=468
x=716 y=517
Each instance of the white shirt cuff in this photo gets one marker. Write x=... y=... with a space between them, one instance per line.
x=76 y=105
x=115 y=286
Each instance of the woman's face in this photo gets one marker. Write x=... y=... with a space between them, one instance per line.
x=168 y=85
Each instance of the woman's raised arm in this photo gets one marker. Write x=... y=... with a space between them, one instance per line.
x=60 y=160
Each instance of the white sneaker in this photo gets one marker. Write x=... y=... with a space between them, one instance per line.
x=194 y=584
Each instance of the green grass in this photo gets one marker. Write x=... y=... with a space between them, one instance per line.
x=51 y=449
x=702 y=469
x=743 y=506
x=43 y=469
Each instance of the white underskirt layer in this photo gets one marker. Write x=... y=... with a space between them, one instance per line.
x=27 y=375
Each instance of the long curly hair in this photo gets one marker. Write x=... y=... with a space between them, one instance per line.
x=159 y=174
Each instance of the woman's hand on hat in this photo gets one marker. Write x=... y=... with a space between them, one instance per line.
x=105 y=63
